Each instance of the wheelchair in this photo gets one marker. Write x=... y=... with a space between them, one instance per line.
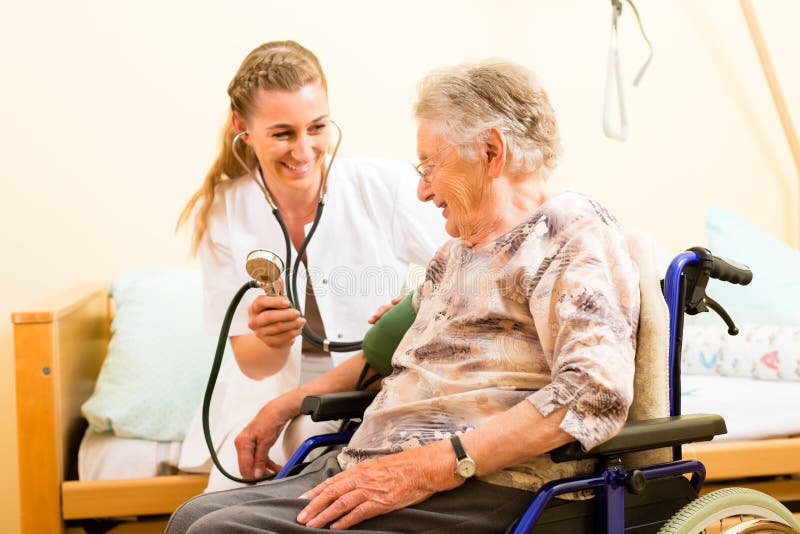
x=662 y=497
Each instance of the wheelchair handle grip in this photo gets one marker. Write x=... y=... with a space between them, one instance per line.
x=730 y=271
x=721 y=268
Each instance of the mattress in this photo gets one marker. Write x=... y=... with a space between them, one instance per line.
x=752 y=409
x=103 y=456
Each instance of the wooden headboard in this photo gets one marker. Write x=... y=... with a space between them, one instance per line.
x=59 y=346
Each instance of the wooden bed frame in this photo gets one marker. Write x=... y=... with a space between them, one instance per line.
x=59 y=347
x=771 y=466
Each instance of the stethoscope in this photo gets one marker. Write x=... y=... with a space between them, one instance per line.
x=266 y=267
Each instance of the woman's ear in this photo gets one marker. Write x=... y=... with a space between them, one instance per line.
x=239 y=126
x=495 y=150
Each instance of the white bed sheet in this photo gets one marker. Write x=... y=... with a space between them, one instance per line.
x=107 y=457
x=752 y=409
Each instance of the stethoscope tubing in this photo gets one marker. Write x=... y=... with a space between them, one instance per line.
x=291 y=286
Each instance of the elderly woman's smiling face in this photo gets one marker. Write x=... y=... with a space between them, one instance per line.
x=459 y=187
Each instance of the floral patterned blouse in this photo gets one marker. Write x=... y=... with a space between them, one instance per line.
x=546 y=313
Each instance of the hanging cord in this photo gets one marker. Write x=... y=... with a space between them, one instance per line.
x=646 y=64
x=614 y=75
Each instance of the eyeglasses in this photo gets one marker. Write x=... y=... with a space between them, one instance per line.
x=425 y=167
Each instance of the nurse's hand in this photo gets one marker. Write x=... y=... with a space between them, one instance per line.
x=383 y=309
x=274 y=322
x=255 y=441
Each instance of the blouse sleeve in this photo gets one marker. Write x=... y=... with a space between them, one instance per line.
x=586 y=311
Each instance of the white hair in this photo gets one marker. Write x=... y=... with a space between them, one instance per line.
x=465 y=101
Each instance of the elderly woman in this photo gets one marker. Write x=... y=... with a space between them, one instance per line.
x=523 y=341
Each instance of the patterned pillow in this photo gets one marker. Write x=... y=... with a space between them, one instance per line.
x=766 y=352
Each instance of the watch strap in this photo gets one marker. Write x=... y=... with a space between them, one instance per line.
x=460 y=452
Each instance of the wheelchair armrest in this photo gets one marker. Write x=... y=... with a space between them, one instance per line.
x=648 y=434
x=333 y=406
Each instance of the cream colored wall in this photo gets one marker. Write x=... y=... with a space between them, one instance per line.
x=111 y=111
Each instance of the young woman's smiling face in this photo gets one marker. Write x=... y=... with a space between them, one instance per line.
x=289 y=132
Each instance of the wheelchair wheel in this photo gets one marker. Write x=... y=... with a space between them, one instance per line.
x=732 y=511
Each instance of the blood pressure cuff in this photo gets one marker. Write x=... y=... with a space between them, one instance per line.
x=383 y=338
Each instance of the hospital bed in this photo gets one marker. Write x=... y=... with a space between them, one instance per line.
x=59 y=347
x=763 y=451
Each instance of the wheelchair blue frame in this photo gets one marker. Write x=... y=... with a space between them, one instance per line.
x=309 y=445
x=609 y=484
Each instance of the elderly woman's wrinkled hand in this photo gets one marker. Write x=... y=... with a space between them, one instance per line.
x=375 y=487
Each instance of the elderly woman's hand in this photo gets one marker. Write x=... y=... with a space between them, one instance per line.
x=379 y=486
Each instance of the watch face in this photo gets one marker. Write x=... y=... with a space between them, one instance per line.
x=466 y=468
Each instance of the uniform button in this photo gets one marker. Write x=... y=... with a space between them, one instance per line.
x=339 y=336
x=324 y=280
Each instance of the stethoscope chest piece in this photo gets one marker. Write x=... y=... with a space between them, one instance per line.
x=266 y=268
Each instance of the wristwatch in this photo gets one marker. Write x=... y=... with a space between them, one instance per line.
x=465 y=466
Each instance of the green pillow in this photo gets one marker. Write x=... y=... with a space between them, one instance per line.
x=154 y=375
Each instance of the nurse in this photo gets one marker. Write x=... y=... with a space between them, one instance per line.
x=278 y=151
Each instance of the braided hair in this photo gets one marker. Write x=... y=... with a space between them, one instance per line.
x=277 y=65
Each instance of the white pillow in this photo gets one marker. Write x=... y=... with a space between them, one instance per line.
x=159 y=357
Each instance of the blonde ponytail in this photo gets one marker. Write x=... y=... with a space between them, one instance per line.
x=226 y=167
